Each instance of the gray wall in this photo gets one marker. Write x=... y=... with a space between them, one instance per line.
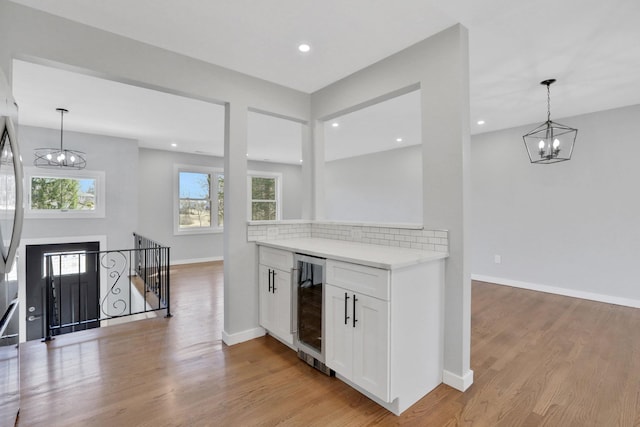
x=572 y=225
x=155 y=212
x=118 y=158
x=377 y=187
x=155 y=184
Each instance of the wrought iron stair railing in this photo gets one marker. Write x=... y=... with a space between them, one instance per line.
x=89 y=289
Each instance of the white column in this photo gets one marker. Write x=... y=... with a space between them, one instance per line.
x=307 y=173
x=240 y=276
x=446 y=139
x=318 y=170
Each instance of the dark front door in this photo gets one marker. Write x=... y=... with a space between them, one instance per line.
x=75 y=298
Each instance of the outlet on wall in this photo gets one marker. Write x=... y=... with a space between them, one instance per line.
x=497 y=259
x=356 y=234
x=272 y=232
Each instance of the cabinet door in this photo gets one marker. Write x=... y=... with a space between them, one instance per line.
x=338 y=330
x=371 y=347
x=275 y=302
x=281 y=326
x=267 y=307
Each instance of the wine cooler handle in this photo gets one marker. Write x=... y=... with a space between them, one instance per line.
x=294 y=301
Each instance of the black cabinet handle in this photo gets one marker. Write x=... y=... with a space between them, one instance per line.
x=269 y=280
x=354 y=310
x=273 y=286
x=346 y=299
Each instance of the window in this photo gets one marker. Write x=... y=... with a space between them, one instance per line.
x=264 y=196
x=65 y=194
x=199 y=198
x=199 y=202
x=71 y=263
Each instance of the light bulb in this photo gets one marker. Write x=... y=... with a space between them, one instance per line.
x=49 y=156
x=62 y=156
x=541 y=145
x=556 y=143
x=72 y=158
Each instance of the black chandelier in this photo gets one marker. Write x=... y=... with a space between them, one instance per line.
x=53 y=158
x=550 y=142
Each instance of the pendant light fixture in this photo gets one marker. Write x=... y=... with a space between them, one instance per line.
x=550 y=142
x=54 y=158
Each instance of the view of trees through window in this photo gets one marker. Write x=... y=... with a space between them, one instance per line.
x=263 y=198
x=49 y=193
x=201 y=199
x=196 y=202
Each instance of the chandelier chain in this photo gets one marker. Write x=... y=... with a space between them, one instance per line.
x=61 y=126
x=548 y=102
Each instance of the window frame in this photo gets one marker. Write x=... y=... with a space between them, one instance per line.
x=278 y=200
x=100 y=197
x=215 y=174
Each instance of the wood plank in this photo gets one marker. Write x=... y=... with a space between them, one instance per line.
x=539 y=359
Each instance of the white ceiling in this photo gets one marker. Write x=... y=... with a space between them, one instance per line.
x=155 y=119
x=105 y=107
x=590 y=46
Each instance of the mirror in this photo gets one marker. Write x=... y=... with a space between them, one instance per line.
x=373 y=163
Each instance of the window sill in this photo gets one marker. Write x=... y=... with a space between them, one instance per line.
x=61 y=214
x=195 y=232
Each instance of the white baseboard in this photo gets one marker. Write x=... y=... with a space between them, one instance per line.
x=627 y=302
x=195 y=260
x=456 y=381
x=238 y=337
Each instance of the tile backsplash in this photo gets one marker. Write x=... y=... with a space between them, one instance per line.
x=403 y=236
x=278 y=230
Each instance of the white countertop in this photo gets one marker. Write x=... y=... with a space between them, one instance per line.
x=379 y=256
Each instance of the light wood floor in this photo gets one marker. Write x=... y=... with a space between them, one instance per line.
x=539 y=359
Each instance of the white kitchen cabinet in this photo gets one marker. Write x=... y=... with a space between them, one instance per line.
x=275 y=292
x=392 y=352
x=357 y=339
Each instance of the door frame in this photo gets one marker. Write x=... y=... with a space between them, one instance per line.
x=22 y=269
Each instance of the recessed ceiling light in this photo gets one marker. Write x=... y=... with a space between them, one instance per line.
x=300 y=160
x=335 y=124
x=480 y=122
x=304 y=47
x=173 y=144
x=398 y=139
